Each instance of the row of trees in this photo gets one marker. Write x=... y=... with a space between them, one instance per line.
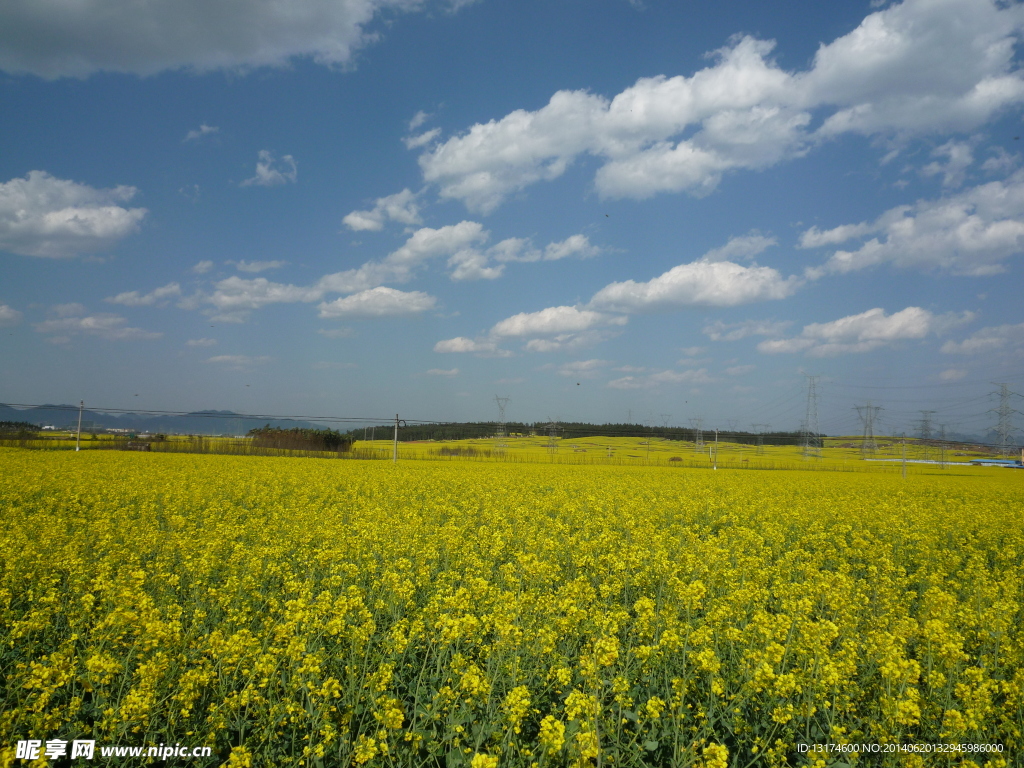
x=297 y=439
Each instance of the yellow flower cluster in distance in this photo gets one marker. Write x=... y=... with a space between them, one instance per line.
x=319 y=613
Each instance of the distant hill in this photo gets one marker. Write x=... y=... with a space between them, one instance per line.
x=194 y=423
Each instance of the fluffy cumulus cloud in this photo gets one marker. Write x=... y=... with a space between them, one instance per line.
x=156 y=296
x=239 y=362
x=257 y=266
x=919 y=67
x=69 y=320
x=236 y=296
x=271 y=172
x=401 y=207
x=51 y=38
x=202 y=131
x=865 y=332
x=662 y=378
x=461 y=344
x=697 y=284
x=9 y=316
x=583 y=369
x=554 y=320
x=999 y=338
x=202 y=267
x=378 y=302
x=742 y=248
x=969 y=233
x=41 y=215
x=721 y=331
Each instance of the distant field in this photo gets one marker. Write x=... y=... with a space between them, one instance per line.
x=305 y=612
x=838 y=453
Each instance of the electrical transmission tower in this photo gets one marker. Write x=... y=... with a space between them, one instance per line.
x=500 y=433
x=812 y=437
x=552 y=436
x=1004 y=428
x=867 y=414
x=924 y=432
x=760 y=429
x=698 y=434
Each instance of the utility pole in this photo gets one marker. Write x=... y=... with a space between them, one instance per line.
x=904 y=455
x=398 y=422
x=812 y=439
x=867 y=414
x=78 y=439
x=716 y=450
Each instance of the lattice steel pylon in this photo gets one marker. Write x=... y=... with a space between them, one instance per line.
x=552 y=436
x=500 y=432
x=698 y=434
x=811 y=436
x=924 y=432
x=760 y=429
x=1004 y=428
x=867 y=414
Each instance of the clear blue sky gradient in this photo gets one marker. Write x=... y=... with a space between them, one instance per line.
x=846 y=202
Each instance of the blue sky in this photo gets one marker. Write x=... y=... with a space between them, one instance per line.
x=600 y=209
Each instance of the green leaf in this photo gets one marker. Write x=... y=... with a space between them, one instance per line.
x=650 y=745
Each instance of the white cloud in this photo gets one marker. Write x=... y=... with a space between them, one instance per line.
x=742 y=248
x=422 y=139
x=418 y=119
x=699 y=283
x=201 y=342
x=401 y=207
x=239 y=362
x=568 y=342
x=156 y=296
x=201 y=131
x=41 y=215
x=236 y=294
x=995 y=338
x=471 y=264
x=71 y=320
x=271 y=172
x=583 y=369
x=959 y=157
x=1001 y=161
x=202 y=267
x=257 y=266
x=462 y=344
x=441 y=372
x=52 y=39
x=916 y=68
x=673 y=378
x=969 y=233
x=952 y=374
x=554 y=320
x=739 y=370
x=378 y=302
x=9 y=316
x=576 y=245
x=719 y=331
x=815 y=238
x=865 y=332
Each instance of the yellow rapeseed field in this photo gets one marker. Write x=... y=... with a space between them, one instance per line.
x=312 y=612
